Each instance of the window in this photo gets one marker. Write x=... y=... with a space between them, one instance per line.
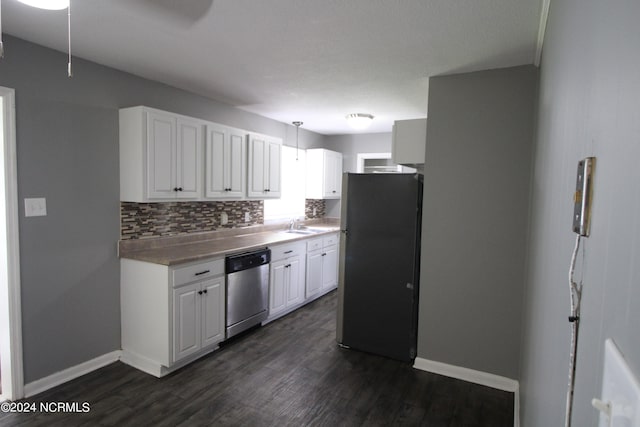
x=293 y=186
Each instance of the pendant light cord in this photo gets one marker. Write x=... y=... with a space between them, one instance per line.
x=1 y=44
x=297 y=125
x=575 y=294
x=69 y=71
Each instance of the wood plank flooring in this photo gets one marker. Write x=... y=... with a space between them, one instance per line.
x=287 y=373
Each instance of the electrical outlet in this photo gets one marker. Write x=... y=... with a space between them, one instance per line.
x=582 y=197
x=224 y=218
x=314 y=211
x=247 y=217
x=35 y=207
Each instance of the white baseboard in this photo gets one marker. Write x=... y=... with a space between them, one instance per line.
x=69 y=374
x=466 y=374
x=476 y=377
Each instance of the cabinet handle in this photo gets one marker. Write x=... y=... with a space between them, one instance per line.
x=324 y=254
x=288 y=252
x=179 y=188
x=199 y=292
x=202 y=272
x=175 y=188
x=266 y=190
x=334 y=191
x=204 y=291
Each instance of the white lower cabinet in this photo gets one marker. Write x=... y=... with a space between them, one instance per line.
x=322 y=265
x=286 y=279
x=198 y=321
x=170 y=315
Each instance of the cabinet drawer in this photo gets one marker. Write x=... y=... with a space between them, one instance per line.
x=279 y=252
x=330 y=240
x=198 y=271
x=314 y=244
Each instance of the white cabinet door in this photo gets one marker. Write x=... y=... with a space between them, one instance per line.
x=274 y=166
x=314 y=272
x=329 y=267
x=264 y=167
x=213 y=310
x=161 y=165
x=278 y=286
x=333 y=175
x=324 y=174
x=295 y=285
x=186 y=321
x=225 y=163
x=236 y=161
x=188 y=159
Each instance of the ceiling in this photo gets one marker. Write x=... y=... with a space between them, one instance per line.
x=294 y=60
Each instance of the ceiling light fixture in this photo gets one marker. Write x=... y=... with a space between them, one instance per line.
x=359 y=121
x=47 y=4
x=297 y=125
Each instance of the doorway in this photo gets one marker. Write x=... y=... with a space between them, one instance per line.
x=11 y=373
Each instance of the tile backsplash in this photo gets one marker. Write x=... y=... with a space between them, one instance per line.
x=146 y=220
x=318 y=204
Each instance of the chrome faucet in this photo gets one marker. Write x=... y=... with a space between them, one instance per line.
x=292 y=223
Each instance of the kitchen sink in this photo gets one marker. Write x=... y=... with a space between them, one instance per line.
x=298 y=231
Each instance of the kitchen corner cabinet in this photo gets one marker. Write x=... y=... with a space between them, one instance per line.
x=225 y=163
x=322 y=265
x=324 y=174
x=286 y=279
x=264 y=167
x=160 y=155
x=409 y=141
x=170 y=315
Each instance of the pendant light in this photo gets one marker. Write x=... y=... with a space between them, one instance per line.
x=297 y=125
x=48 y=5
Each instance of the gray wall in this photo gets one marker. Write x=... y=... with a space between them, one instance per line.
x=477 y=172
x=67 y=142
x=589 y=106
x=350 y=146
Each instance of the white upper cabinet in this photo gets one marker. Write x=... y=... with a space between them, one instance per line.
x=225 y=162
x=160 y=155
x=264 y=163
x=324 y=174
x=409 y=141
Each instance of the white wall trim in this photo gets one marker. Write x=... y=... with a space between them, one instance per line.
x=11 y=337
x=516 y=408
x=476 y=377
x=466 y=374
x=542 y=28
x=69 y=374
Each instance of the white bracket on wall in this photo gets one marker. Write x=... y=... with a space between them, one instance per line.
x=619 y=404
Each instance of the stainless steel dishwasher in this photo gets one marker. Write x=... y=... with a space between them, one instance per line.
x=247 y=290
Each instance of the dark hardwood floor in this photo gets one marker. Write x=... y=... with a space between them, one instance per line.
x=288 y=373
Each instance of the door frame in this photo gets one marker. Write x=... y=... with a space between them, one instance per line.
x=10 y=338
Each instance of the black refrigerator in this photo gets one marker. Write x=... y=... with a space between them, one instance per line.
x=381 y=217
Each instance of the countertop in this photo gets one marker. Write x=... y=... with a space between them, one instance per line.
x=181 y=249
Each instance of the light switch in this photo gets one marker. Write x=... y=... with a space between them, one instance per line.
x=35 y=207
